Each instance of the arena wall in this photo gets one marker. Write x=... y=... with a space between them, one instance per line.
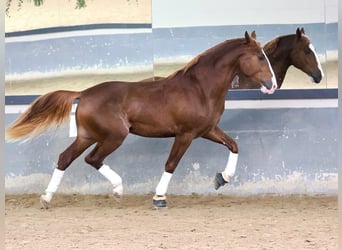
x=115 y=47
x=283 y=150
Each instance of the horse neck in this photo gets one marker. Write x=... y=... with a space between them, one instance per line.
x=214 y=75
x=280 y=58
x=216 y=81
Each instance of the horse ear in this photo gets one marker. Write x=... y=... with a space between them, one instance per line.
x=299 y=33
x=253 y=35
x=302 y=30
x=247 y=37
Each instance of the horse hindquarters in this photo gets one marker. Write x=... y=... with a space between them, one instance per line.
x=89 y=132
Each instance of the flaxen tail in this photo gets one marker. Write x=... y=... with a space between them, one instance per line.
x=49 y=109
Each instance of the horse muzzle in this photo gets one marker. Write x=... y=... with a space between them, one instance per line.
x=268 y=87
x=316 y=76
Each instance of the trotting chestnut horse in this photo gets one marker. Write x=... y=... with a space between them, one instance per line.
x=284 y=51
x=186 y=105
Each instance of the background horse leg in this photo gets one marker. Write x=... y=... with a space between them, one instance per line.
x=218 y=136
x=179 y=147
x=99 y=153
x=64 y=161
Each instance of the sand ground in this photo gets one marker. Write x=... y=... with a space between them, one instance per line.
x=190 y=222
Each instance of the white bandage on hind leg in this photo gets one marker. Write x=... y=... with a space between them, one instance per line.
x=229 y=171
x=113 y=177
x=163 y=184
x=55 y=180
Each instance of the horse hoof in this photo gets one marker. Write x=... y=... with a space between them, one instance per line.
x=219 y=181
x=159 y=201
x=117 y=193
x=44 y=204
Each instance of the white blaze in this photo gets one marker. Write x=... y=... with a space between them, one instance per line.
x=274 y=81
x=317 y=60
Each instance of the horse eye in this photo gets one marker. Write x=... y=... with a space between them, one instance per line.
x=261 y=57
x=307 y=51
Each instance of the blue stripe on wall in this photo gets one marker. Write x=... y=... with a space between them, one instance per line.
x=231 y=95
x=80 y=27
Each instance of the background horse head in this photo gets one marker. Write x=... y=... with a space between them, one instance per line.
x=284 y=51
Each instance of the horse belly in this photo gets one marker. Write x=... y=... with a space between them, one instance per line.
x=170 y=126
x=153 y=128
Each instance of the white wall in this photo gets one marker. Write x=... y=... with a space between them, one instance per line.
x=188 y=13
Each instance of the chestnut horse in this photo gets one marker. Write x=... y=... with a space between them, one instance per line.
x=284 y=51
x=186 y=105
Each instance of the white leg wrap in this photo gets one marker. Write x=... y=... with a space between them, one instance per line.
x=113 y=177
x=163 y=184
x=55 y=180
x=229 y=171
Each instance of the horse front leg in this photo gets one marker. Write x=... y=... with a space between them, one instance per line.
x=218 y=136
x=179 y=147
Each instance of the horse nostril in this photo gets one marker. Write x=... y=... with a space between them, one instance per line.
x=316 y=76
x=317 y=80
x=268 y=84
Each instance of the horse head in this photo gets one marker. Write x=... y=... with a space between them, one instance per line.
x=255 y=65
x=304 y=57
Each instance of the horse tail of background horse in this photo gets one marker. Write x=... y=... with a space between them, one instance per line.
x=50 y=109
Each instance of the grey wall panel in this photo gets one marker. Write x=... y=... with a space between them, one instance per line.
x=282 y=151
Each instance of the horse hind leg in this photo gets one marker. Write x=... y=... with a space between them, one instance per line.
x=64 y=161
x=96 y=157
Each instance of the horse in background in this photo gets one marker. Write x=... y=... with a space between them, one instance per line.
x=283 y=52
x=186 y=105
